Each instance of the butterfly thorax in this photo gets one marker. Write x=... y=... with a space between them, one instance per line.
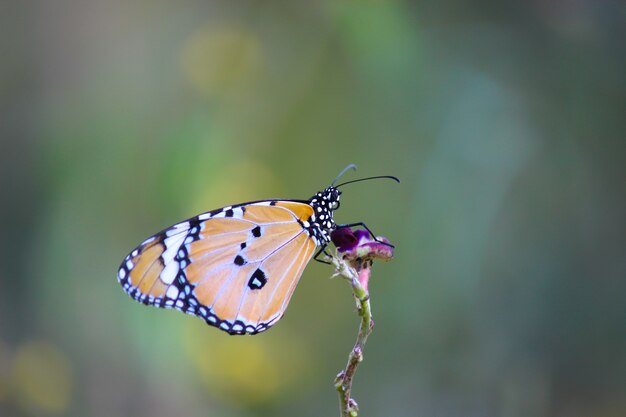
x=321 y=222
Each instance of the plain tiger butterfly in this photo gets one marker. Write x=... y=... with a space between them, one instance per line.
x=236 y=267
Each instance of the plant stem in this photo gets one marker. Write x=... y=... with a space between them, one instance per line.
x=359 y=277
x=356 y=250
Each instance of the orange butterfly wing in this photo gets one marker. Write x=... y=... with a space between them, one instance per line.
x=236 y=267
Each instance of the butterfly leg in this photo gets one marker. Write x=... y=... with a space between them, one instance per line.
x=319 y=252
x=363 y=225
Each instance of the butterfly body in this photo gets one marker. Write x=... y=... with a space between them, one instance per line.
x=235 y=267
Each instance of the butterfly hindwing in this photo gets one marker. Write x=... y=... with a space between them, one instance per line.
x=236 y=267
x=259 y=291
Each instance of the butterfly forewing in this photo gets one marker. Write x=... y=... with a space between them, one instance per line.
x=236 y=267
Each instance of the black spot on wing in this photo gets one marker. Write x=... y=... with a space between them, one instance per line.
x=256 y=232
x=194 y=228
x=243 y=245
x=229 y=213
x=239 y=260
x=257 y=280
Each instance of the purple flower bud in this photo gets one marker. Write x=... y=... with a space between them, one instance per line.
x=355 y=244
x=346 y=239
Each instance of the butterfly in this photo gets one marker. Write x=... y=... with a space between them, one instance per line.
x=235 y=267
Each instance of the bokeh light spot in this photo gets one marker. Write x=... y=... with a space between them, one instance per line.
x=43 y=377
x=248 y=370
x=219 y=60
x=240 y=181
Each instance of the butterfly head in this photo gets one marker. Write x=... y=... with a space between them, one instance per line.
x=324 y=203
x=331 y=196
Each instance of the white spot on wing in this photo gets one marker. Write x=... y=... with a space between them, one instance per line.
x=238 y=213
x=172 y=245
x=177 y=228
x=172 y=292
x=169 y=272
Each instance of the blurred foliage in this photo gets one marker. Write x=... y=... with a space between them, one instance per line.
x=42 y=378
x=504 y=120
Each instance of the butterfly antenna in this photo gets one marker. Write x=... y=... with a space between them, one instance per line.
x=351 y=166
x=391 y=177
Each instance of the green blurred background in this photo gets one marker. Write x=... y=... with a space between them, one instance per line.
x=504 y=120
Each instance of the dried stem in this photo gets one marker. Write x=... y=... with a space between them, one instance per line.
x=356 y=250
x=359 y=278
